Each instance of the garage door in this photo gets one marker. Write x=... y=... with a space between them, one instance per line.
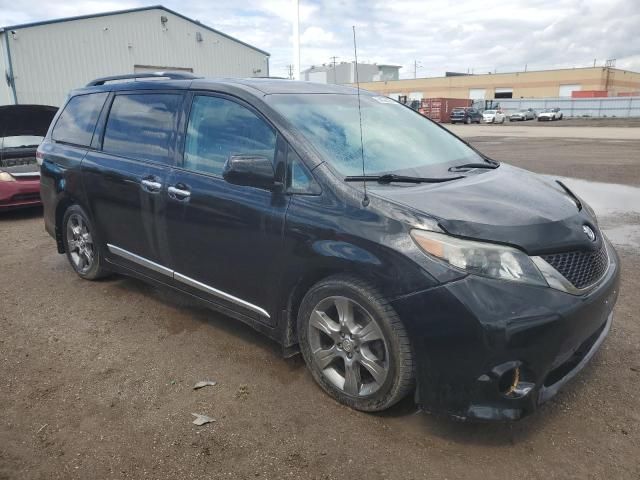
x=565 y=90
x=154 y=68
x=477 y=93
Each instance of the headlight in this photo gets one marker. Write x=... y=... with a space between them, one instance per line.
x=479 y=258
x=6 y=177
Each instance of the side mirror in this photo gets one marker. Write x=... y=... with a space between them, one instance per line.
x=250 y=171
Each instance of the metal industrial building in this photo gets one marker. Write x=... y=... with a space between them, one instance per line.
x=344 y=72
x=531 y=84
x=42 y=61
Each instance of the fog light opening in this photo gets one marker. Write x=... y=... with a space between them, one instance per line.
x=509 y=381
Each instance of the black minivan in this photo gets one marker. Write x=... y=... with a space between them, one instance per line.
x=350 y=228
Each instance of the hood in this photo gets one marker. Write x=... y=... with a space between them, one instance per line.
x=18 y=120
x=507 y=205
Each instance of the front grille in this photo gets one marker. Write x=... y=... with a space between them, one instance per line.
x=581 y=268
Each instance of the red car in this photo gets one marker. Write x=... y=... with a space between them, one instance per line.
x=22 y=128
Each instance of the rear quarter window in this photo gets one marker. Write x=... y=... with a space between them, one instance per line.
x=78 y=119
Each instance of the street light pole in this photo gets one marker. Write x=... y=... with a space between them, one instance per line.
x=415 y=68
x=296 y=39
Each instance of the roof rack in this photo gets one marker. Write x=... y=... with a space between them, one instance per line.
x=134 y=76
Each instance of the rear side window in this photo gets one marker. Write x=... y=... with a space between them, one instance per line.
x=219 y=128
x=78 y=119
x=142 y=126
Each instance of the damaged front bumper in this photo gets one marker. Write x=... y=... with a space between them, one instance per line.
x=493 y=350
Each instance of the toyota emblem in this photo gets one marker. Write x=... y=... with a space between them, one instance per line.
x=588 y=231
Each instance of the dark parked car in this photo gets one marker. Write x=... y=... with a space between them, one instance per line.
x=22 y=128
x=465 y=115
x=483 y=286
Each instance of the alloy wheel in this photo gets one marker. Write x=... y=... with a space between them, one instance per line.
x=80 y=243
x=348 y=346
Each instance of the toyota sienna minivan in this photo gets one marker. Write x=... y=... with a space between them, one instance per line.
x=396 y=258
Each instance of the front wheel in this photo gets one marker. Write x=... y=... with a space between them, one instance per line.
x=467 y=121
x=355 y=345
x=81 y=246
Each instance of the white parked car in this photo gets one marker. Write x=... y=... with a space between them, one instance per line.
x=550 y=114
x=493 y=116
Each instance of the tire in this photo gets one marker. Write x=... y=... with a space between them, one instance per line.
x=375 y=369
x=81 y=244
x=467 y=121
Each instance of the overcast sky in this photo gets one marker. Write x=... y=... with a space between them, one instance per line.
x=458 y=35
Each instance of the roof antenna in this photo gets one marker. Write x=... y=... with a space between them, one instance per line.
x=365 y=199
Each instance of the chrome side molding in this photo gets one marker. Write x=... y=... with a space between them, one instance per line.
x=219 y=293
x=132 y=257
x=137 y=259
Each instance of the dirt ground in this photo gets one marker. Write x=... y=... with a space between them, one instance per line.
x=96 y=380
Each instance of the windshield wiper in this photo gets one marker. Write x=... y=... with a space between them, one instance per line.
x=391 y=177
x=467 y=166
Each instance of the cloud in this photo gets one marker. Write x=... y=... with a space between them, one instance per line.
x=443 y=35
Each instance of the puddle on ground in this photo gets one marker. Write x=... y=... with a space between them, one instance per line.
x=617 y=207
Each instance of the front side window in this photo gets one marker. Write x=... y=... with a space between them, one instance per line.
x=142 y=126
x=396 y=139
x=78 y=119
x=219 y=128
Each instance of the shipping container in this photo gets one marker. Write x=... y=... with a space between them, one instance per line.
x=589 y=93
x=439 y=109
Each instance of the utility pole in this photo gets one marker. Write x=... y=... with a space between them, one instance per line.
x=290 y=69
x=334 y=67
x=416 y=64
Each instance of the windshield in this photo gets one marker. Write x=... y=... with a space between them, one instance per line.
x=490 y=112
x=396 y=139
x=20 y=141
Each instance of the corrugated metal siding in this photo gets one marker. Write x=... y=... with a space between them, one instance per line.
x=579 y=107
x=6 y=97
x=49 y=60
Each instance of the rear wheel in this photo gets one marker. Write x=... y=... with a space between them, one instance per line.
x=355 y=345
x=467 y=120
x=80 y=244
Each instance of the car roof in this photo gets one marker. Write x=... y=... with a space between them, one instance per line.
x=255 y=86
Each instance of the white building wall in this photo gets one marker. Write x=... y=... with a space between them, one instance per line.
x=6 y=96
x=51 y=59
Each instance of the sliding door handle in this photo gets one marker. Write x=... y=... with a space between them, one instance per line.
x=150 y=185
x=179 y=193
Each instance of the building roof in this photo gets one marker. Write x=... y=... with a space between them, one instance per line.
x=329 y=66
x=131 y=10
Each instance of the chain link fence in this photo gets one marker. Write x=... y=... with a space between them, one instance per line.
x=623 y=107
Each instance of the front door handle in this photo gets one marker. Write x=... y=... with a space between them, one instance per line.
x=180 y=194
x=150 y=185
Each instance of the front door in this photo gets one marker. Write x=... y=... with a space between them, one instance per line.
x=127 y=178
x=224 y=240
